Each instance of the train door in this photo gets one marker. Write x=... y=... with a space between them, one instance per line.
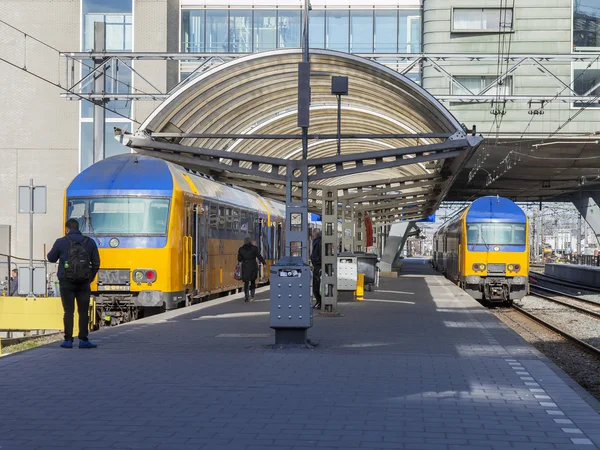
x=202 y=226
x=188 y=245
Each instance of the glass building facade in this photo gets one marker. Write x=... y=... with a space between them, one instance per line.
x=118 y=17
x=347 y=30
x=586 y=25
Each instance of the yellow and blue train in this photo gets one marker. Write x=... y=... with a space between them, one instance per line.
x=484 y=248
x=167 y=236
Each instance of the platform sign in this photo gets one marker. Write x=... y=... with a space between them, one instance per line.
x=39 y=281
x=39 y=200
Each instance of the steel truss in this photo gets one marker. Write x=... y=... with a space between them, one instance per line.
x=271 y=175
x=406 y=61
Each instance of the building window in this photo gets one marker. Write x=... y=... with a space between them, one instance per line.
x=586 y=25
x=240 y=31
x=290 y=29
x=386 y=31
x=586 y=82
x=476 y=84
x=409 y=39
x=316 y=29
x=118 y=17
x=337 y=31
x=217 y=31
x=482 y=19
x=265 y=30
x=361 y=31
x=192 y=30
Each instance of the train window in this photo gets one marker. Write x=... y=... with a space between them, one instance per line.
x=244 y=222
x=228 y=219
x=235 y=218
x=221 y=217
x=214 y=220
x=473 y=233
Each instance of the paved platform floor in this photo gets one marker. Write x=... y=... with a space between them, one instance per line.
x=417 y=365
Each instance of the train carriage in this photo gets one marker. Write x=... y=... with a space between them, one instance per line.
x=167 y=236
x=484 y=248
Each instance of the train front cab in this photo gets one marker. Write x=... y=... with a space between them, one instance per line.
x=496 y=259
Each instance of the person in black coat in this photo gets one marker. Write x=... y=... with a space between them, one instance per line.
x=75 y=290
x=315 y=259
x=14 y=284
x=247 y=255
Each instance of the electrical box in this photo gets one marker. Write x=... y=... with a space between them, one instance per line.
x=290 y=294
x=347 y=272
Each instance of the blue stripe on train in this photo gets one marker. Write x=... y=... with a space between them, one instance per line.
x=491 y=248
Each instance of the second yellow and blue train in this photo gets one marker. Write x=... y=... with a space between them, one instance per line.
x=484 y=248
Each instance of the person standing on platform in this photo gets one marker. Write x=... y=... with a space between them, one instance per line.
x=79 y=263
x=14 y=284
x=315 y=259
x=247 y=255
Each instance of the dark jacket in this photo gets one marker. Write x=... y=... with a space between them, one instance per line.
x=247 y=255
x=315 y=254
x=14 y=287
x=60 y=253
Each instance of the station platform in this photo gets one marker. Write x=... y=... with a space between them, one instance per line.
x=417 y=365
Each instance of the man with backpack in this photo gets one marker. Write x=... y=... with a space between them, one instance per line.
x=79 y=263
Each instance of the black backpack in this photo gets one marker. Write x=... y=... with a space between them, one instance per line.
x=77 y=267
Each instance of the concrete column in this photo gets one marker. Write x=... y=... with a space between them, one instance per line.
x=347 y=226
x=589 y=209
x=360 y=232
x=395 y=241
x=329 y=248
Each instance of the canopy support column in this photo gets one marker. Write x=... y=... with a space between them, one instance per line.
x=329 y=240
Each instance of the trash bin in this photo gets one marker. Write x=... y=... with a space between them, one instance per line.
x=367 y=265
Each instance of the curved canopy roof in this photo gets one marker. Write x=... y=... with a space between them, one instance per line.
x=394 y=133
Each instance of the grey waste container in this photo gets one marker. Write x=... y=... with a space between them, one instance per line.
x=367 y=265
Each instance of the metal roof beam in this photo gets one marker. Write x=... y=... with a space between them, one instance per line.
x=360 y=168
x=387 y=182
x=299 y=136
x=375 y=194
x=396 y=206
x=174 y=56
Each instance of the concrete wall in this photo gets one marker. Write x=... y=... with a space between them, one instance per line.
x=542 y=27
x=40 y=131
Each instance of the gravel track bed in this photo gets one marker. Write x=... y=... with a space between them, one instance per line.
x=569 y=300
x=580 y=365
x=578 y=324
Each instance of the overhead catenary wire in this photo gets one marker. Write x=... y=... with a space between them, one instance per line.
x=57 y=84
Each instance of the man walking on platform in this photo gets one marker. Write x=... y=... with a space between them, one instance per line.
x=79 y=263
x=315 y=259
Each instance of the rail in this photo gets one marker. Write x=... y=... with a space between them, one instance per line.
x=558 y=330
x=595 y=314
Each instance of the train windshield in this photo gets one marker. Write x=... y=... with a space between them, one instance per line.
x=496 y=233
x=120 y=216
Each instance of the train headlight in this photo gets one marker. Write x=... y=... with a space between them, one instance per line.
x=513 y=267
x=510 y=267
x=138 y=276
x=114 y=242
x=477 y=267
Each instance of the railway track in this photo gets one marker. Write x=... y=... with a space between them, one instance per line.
x=561 y=331
x=570 y=301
